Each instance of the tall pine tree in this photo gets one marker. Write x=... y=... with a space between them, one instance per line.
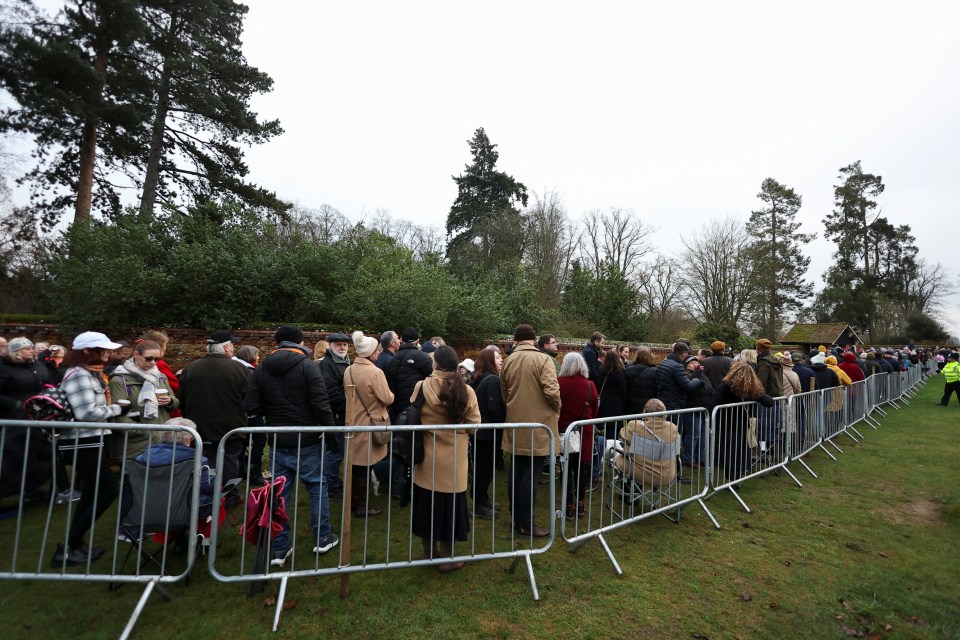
x=776 y=251
x=484 y=223
x=77 y=90
x=201 y=106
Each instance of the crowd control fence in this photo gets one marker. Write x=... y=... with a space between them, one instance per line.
x=635 y=471
x=288 y=524
x=120 y=512
x=146 y=504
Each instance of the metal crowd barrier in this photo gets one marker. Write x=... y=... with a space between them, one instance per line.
x=807 y=415
x=368 y=531
x=858 y=408
x=47 y=474
x=634 y=477
x=748 y=441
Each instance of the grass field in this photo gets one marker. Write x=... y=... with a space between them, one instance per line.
x=869 y=549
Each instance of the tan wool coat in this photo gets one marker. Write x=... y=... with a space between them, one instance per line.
x=445 y=455
x=367 y=381
x=656 y=438
x=528 y=384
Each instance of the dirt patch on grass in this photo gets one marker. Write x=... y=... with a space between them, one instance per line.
x=919 y=511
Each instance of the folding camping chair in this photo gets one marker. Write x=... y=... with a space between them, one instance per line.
x=635 y=492
x=157 y=500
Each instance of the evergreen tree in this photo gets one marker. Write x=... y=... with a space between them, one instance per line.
x=201 y=106
x=778 y=262
x=873 y=260
x=77 y=88
x=484 y=223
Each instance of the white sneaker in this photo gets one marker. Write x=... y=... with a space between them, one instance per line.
x=67 y=495
x=326 y=543
x=280 y=557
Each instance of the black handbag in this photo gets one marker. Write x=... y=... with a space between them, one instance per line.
x=410 y=417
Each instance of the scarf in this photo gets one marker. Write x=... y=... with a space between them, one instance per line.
x=148 y=393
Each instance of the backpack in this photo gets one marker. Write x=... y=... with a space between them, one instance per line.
x=49 y=405
x=410 y=417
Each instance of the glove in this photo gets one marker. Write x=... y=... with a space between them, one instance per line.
x=124 y=409
x=330 y=442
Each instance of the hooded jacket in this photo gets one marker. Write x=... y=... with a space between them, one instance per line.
x=825 y=377
x=770 y=372
x=287 y=389
x=851 y=368
x=831 y=363
x=673 y=383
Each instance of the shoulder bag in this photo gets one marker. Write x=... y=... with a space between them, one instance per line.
x=379 y=438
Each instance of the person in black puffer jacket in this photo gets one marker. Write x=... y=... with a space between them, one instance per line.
x=407 y=368
x=288 y=390
x=672 y=381
x=641 y=381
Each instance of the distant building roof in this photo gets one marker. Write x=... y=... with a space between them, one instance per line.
x=812 y=333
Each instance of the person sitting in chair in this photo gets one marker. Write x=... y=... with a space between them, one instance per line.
x=652 y=445
x=177 y=446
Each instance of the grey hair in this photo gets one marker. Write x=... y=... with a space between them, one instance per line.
x=573 y=365
x=493 y=347
x=217 y=347
x=386 y=338
x=178 y=437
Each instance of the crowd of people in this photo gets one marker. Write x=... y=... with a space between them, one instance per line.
x=107 y=382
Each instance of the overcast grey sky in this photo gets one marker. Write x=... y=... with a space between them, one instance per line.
x=675 y=110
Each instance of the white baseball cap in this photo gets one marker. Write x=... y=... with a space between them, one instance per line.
x=467 y=364
x=93 y=340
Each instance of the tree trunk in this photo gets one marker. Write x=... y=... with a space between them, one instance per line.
x=151 y=179
x=88 y=156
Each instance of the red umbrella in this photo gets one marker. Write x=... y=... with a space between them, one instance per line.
x=259 y=515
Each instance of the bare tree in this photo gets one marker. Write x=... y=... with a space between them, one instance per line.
x=618 y=238
x=548 y=257
x=930 y=285
x=323 y=225
x=422 y=240
x=716 y=273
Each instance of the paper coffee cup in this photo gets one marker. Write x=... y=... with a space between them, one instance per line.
x=162 y=392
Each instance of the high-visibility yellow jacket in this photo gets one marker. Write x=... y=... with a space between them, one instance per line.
x=951 y=371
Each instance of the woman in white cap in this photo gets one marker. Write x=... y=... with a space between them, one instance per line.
x=88 y=394
x=367 y=405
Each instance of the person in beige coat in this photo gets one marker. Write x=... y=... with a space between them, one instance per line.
x=368 y=397
x=528 y=384
x=652 y=445
x=440 y=512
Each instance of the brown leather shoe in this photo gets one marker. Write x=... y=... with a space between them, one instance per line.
x=538 y=532
x=369 y=511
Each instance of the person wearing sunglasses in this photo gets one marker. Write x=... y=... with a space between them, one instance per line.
x=139 y=381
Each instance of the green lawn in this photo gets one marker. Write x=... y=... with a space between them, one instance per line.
x=870 y=549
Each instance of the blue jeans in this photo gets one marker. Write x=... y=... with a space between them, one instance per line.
x=309 y=466
x=331 y=465
x=694 y=440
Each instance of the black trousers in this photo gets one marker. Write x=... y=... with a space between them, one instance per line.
x=524 y=479
x=484 y=468
x=949 y=389
x=98 y=484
